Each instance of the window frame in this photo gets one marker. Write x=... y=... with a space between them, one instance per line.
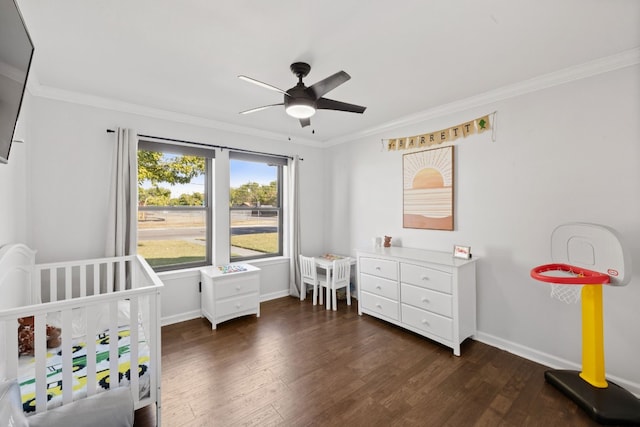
x=209 y=155
x=280 y=162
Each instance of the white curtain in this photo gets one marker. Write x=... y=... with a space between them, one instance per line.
x=294 y=227
x=122 y=221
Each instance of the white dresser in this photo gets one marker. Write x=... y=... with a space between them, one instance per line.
x=229 y=291
x=428 y=292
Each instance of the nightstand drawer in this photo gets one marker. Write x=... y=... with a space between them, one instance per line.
x=379 y=267
x=380 y=305
x=236 y=305
x=425 y=277
x=379 y=286
x=427 y=299
x=427 y=321
x=237 y=285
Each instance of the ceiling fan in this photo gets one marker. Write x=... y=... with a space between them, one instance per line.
x=301 y=101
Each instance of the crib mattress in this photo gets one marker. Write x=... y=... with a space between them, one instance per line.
x=26 y=369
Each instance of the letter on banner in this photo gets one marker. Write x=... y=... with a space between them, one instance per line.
x=412 y=142
x=401 y=143
x=423 y=141
x=391 y=145
x=483 y=124
x=444 y=136
x=454 y=133
x=432 y=138
x=468 y=128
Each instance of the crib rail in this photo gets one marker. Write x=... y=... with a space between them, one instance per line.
x=77 y=279
x=93 y=287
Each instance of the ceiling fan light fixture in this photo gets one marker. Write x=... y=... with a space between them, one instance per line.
x=300 y=111
x=301 y=102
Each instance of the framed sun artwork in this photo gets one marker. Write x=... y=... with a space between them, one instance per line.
x=428 y=189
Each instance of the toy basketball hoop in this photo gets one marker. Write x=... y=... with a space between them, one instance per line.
x=587 y=256
x=566 y=281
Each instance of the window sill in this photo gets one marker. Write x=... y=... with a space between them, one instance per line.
x=268 y=261
x=188 y=272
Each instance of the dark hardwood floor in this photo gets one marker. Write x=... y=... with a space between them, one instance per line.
x=300 y=365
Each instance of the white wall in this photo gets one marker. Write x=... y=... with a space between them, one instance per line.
x=562 y=154
x=567 y=153
x=69 y=168
x=13 y=184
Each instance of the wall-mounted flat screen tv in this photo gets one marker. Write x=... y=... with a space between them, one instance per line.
x=16 y=51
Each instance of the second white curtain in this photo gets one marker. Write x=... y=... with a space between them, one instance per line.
x=294 y=227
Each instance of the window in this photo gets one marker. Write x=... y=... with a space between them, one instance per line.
x=174 y=205
x=255 y=205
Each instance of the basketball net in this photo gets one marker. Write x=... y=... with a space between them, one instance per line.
x=569 y=294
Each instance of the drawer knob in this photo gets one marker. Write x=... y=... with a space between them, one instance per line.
x=424 y=277
x=378 y=287
x=424 y=322
x=238 y=305
x=238 y=288
x=379 y=305
x=378 y=268
x=425 y=299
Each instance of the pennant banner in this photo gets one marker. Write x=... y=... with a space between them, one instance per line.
x=462 y=130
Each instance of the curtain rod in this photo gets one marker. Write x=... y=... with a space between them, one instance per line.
x=202 y=144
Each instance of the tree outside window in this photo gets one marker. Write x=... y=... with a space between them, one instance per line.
x=174 y=215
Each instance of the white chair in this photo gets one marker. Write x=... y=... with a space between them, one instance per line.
x=340 y=278
x=310 y=276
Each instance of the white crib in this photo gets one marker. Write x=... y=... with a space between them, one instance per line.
x=116 y=300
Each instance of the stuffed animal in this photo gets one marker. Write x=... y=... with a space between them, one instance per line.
x=387 y=241
x=26 y=329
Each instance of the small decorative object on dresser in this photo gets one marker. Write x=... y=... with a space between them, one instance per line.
x=428 y=292
x=463 y=252
x=387 y=241
x=229 y=291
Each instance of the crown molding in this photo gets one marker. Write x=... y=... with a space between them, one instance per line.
x=599 y=66
x=603 y=65
x=42 y=91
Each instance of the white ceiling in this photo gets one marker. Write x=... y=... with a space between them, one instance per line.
x=404 y=57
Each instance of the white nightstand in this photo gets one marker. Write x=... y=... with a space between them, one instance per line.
x=229 y=291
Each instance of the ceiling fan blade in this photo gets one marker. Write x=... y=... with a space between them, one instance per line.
x=264 y=107
x=261 y=84
x=330 y=104
x=305 y=122
x=322 y=87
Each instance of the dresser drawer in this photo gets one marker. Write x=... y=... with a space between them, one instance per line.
x=425 y=277
x=379 y=286
x=427 y=299
x=379 y=267
x=427 y=321
x=236 y=305
x=236 y=285
x=380 y=305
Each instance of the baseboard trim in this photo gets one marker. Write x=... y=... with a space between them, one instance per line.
x=546 y=359
x=182 y=317
x=274 y=295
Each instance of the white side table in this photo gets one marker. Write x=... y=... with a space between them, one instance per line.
x=229 y=291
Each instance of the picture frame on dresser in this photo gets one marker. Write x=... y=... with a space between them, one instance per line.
x=463 y=252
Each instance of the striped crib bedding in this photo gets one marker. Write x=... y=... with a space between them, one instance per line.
x=54 y=365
